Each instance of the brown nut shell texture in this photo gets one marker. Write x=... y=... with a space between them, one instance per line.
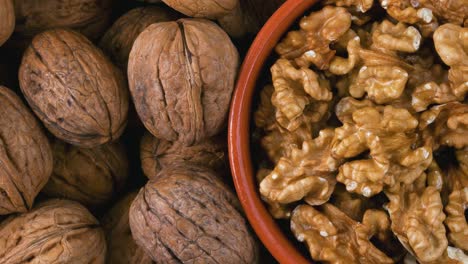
x=182 y=83
x=91 y=176
x=119 y=39
x=90 y=17
x=157 y=154
x=55 y=232
x=25 y=155
x=73 y=88
x=189 y=216
x=121 y=248
x=7 y=20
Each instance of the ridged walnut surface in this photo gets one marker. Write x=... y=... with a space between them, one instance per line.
x=25 y=155
x=182 y=83
x=7 y=20
x=189 y=216
x=73 y=88
x=89 y=176
x=55 y=232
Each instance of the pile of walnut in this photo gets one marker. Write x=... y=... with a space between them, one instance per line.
x=71 y=189
x=365 y=128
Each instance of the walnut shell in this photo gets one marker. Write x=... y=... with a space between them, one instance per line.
x=73 y=88
x=25 y=155
x=189 y=216
x=182 y=83
x=158 y=154
x=121 y=248
x=89 y=176
x=7 y=20
x=56 y=231
x=119 y=39
x=90 y=17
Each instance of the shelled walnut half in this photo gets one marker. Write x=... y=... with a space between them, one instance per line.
x=7 y=20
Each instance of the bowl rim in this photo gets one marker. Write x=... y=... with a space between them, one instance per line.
x=239 y=132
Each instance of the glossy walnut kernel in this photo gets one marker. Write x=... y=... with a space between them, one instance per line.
x=56 y=231
x=175 y=83
x=25 y=155
x=73 y=88
x=7 y=20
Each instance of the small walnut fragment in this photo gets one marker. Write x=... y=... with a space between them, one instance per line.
x=311 y=44
x=360 y=5
x=157 y=154
x=395 y=150
x=25 y=155
x=56 y=231
x=7 y=20
x=118 y=39
x=91 y=176
x=73 y=88
x=178 y=92
x=188 y=215
x=121 y=248
x=89 y=17
x=333 y=237
x=306 y=173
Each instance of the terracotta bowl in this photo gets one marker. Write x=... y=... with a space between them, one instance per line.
x=239 y=132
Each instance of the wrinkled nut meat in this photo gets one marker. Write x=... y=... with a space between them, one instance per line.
x=157 y=154
x=89 y=176
x=333 y=237
x=7 y=20
x=57 y=231
x=175 y=83
x=121 y=248
x=188 y=215
x=119 y=39
x=90 y=17
x=74 y=89
x=25 y=155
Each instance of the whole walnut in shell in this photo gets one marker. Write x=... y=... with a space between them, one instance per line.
x=73 y=88
x=7 y=20
x=90 y=17
x=189 y=216
x=89 y=176
x=157 y=154
x=119 y=39
x=56 y=231
x=25 y=155
x=121 y=248
x=182 y=83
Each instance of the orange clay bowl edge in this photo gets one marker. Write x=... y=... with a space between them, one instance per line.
x=239 y=132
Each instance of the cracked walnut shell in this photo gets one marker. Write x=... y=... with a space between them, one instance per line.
x=73 y=88
x=25 y=155
x=90 y=176
x=56 y=231
x=188 y=215
x=7 y=20
x=182 y=83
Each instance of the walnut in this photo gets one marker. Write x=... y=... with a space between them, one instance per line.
x=73 y=88
x=333 y=237
x=229 y=13
x=157 y=154
x=56 y=231
x=90 y=17
x=306 y=173
x=311 y=44
x=388 y=38
x=89 y=176
x=447 y=123
x=388 y=134
x=7 y=20
x=188 y=215
x=417 y=216
x=175 y=82
x=119 y=39
x=121 y=248
x=25 y=155
x=360 y=5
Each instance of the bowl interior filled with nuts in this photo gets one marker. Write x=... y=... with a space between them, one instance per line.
x=347 y=132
